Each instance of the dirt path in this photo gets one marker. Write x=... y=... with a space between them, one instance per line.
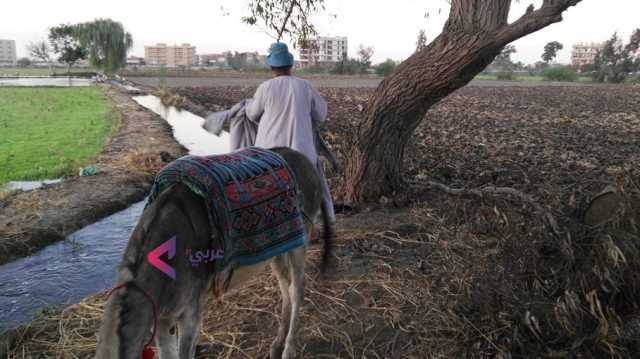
x=139 y=142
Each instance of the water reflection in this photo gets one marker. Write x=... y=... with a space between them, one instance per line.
x=46 y=81
x=29 y=185
x=187 y=128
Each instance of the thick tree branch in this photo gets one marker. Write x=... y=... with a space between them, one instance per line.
x=533 y=20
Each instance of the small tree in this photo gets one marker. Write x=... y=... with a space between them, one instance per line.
x=237 y=61
x=551 y=51
x=107 y=43
x=24 y=62
x=421 y=43
x=503 y=60
x=364 y=57
x=40 y=50
x=64 y=43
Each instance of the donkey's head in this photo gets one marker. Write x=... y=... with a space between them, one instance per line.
x=146 y=296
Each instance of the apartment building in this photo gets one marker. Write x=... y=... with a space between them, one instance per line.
x=213 y=59
x=323 y=50
x=7 y=52
x=170 y=56
x=584 y=54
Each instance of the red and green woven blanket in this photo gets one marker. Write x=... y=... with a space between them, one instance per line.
x=251 y=197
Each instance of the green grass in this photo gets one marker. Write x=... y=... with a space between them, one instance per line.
x=50 y=132
x=37 y=71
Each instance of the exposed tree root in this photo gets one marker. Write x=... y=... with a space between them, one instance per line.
x=499 y=191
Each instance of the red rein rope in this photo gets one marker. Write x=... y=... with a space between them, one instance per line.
x=147 y=352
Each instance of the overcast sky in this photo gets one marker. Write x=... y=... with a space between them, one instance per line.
x=391 y=27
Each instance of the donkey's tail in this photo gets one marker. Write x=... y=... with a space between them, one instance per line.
x=327 y=237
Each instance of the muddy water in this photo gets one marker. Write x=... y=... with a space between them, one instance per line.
x=86 y=262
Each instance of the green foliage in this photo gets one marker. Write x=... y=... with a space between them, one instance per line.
x=505 y=76
x=615 y=61
x=347 y=67
x=237 y=61
x=588 y=68
x=316 y=69
x=107 y=43
x=560 y=73
x=385 y=68
x=50 y=132
x=24 y=62
x=551 y=51
x=536 y=69
x=64 y=42
x=284 y=17
x=503 y=61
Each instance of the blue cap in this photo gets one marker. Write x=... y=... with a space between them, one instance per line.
x=279 y=55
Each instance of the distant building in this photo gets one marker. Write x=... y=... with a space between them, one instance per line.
x=584 y=54
x=7 y=52
x=170 y=56
x=135 y=61
x=217 y=60
x=323 y=50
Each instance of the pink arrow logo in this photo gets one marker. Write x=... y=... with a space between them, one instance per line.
x=154 y=257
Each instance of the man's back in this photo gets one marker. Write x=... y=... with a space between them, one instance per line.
x=285 y=107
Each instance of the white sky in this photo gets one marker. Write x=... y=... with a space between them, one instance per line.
x=391 y=27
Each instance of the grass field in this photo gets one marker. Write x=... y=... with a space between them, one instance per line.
x=50 y=132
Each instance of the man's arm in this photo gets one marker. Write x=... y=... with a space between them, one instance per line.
x=255 y=108
x=318 y=106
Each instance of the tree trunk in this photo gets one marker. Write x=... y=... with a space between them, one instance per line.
x=473 y=36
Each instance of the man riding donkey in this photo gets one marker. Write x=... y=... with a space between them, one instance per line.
x=283 y=113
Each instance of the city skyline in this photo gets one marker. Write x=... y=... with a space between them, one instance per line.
x=201 y=25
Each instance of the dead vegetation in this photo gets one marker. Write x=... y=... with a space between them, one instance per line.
x=516 y=253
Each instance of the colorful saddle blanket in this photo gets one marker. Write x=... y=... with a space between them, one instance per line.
x=251 y=197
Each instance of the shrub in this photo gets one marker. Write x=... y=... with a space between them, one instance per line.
x=505 y=76
x=560 y=73
x=385 y=68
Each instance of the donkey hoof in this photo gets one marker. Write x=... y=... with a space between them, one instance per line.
x=289 y=352
x=277 y=347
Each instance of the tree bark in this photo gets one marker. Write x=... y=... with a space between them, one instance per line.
x=473 y=36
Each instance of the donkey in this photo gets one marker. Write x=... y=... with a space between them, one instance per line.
x=146 y=297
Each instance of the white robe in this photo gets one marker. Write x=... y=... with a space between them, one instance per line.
x=284 y=108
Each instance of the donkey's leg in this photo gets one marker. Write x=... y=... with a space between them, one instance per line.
x=167 y=339
x=189 y=324
x=280 y=270
x=296 y=293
